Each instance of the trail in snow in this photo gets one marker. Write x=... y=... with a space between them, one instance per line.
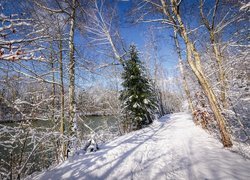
x=171 y=148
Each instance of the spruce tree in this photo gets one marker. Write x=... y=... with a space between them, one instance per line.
x=137 y=95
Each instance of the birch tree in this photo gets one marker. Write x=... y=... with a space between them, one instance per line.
x=72 y=103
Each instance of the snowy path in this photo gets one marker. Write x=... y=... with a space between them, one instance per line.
x=172 y=148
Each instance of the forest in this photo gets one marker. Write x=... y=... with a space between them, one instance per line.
x=76 y=74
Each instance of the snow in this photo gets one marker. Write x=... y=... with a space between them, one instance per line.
x=146 y=101
x=171 y=148
x=245 y=6
x=136 y=105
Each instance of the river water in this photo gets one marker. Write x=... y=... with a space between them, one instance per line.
x=99 y=124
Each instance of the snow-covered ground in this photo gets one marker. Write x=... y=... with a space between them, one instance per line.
x=171 y=148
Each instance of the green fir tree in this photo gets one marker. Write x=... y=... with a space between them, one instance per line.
x=137 y=95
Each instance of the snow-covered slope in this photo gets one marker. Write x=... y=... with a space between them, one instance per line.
x=171 y=148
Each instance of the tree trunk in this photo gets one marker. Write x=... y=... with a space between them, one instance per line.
x=72 y=104
x=226 y=140
x=62 y=121
x=53 y=86
x=197 y=69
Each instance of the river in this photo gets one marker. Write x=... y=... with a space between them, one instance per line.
x=105 y=125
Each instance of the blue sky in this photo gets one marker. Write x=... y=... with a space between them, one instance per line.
x=137 y=34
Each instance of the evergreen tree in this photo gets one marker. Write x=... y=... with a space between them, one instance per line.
x=137 y=95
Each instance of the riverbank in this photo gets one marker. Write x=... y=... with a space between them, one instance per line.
x=88 y=114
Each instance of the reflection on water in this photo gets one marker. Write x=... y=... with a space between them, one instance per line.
x=98 y=123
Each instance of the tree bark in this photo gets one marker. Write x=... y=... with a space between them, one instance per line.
x=197 y=70
x=62 y=116
x=72 y=103
x=53 y=86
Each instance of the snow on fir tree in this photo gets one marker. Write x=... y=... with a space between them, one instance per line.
x=138 y=98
